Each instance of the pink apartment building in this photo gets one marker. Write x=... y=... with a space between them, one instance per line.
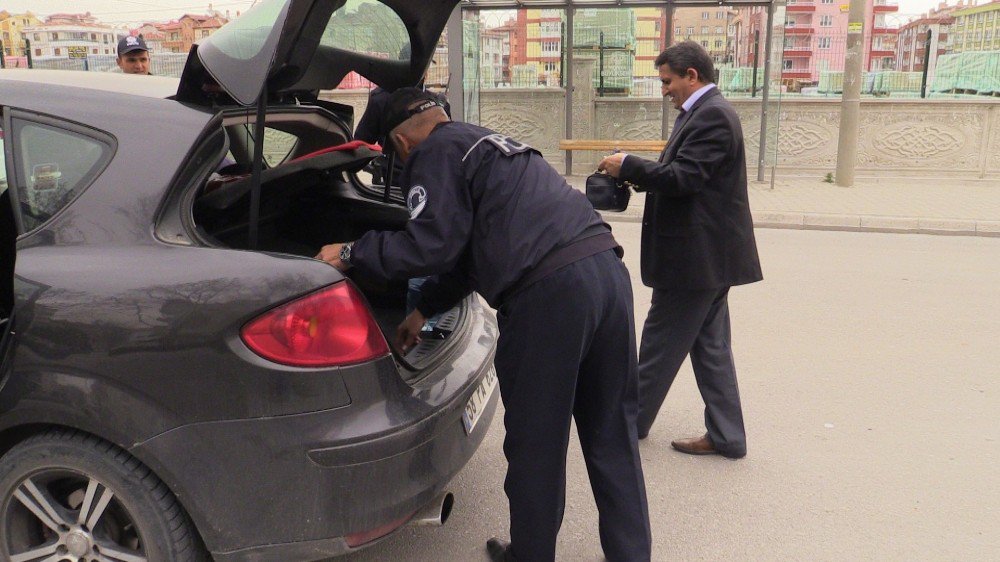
x=816 y=37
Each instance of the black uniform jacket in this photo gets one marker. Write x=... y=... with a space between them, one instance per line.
x=697 y=232
x=484 y=210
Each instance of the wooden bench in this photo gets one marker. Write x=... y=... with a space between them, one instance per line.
x=605 y=145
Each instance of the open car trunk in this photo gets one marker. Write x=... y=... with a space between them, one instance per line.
x=309 y=201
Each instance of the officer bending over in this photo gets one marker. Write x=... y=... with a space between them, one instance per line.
x=489 y=214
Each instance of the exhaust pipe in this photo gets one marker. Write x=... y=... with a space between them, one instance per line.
x=436 y=512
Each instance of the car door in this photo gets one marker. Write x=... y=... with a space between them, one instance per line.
x=8 y=252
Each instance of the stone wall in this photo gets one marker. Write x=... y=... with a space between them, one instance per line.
x=920 y=138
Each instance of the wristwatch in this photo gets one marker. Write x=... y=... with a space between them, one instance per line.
x=345 y=252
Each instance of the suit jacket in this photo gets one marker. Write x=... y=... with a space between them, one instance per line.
x=697 y=232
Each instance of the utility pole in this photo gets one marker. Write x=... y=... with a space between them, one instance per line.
x=850 y=105
x=927 y=64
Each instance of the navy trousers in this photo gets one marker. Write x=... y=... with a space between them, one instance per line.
x=567 y=350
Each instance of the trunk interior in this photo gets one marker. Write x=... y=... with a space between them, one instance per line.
x=303 y=210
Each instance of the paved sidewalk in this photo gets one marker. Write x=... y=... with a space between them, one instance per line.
x=961 y=207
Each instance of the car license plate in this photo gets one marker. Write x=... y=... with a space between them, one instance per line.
x=474 y=408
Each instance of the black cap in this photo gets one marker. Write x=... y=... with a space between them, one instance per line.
x=403 y=104
x=131 y=43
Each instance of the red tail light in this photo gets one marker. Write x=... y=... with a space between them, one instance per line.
x=331 y=327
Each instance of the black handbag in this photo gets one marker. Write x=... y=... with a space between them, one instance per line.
x=606 y=193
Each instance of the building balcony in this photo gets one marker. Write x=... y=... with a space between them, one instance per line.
x=800 y=7
x=882 y=53
x=877 y=30
x=796 y=53
x=799 y=74
x=799 y=30
x=885 y=6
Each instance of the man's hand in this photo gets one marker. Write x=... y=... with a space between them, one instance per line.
x=331 y=255
x=612 y=164
x=408 y=333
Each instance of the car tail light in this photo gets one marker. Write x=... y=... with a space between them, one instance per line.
x=328 y=328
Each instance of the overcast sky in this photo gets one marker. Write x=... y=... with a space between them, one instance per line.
x=132 y=11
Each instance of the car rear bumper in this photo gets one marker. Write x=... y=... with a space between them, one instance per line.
x=293 y=487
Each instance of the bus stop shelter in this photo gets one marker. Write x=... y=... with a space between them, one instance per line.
x=774 y=9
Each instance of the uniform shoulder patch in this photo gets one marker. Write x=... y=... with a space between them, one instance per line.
x=416 y=200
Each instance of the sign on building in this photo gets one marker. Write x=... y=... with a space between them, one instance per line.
x=77 y=52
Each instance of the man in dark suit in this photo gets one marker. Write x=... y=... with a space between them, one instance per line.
x=697 y=242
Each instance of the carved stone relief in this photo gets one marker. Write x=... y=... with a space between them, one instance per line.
x=993 y=145
x=921 y=137
x=539 y=123
x=904 y=136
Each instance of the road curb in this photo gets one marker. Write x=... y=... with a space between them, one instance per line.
x=851 y=223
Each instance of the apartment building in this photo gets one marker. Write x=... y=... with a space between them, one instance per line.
x=816 y=37
x=11 y=28
x=977 y=28
x=935 y=25
x=712 y=27
x=70 y=36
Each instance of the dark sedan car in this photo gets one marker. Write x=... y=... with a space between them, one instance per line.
x=180 y=378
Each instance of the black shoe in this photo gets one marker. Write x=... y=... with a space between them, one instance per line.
x=499 y=550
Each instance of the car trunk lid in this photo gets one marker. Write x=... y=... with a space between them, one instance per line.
x=283 y=47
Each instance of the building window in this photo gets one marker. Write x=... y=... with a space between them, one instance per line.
x=824 y=42
x=827 y=1
x=720 y=15
x=718 y=43
x=704 y=44
x=690 y=30
x=786 y=64
x=826 y=21
x=718 y=31
x=705 y=15
x=677 y=31
x=38 y=52
x=57 y=51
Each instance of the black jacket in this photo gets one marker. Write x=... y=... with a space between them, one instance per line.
x=484 y=211
x=697 y=232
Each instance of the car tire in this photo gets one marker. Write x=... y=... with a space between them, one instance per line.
x=71 y=496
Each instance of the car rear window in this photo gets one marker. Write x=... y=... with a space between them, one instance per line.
x=56 y=165
x=368 y=27
x=244 y=37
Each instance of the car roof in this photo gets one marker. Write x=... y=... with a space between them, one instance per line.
x=111 y=82
x=110 y=102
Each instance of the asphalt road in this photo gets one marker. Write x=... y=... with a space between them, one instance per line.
x=869 y=366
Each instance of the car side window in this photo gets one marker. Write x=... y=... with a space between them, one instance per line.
x=278 y=145
x=55 y=164
x=3 y=163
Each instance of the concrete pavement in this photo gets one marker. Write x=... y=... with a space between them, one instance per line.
x=907 y=205
x=870 y=379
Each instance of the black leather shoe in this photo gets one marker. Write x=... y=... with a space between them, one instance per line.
x=499 y=550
